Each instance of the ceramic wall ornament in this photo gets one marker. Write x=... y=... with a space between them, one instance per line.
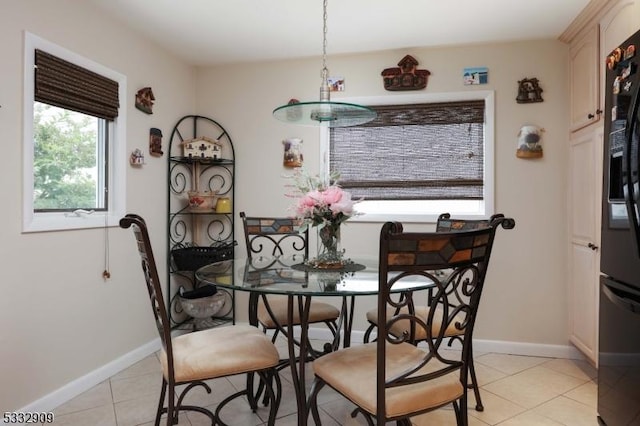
x=529 y=142
x=155 y=142
x=144 y=100
x=292 y=152
x=405 y=76
x=137 y=158
x=336 y=84
x=529 y=91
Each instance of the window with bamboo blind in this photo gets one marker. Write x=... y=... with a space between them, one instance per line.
x=419 y=158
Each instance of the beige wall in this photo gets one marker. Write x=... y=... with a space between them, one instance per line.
x=60 y=319
x=525 y=299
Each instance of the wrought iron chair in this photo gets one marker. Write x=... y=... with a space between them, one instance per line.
x=392 y=379
x=192 y=358
x=445 y=224
x=271 y=236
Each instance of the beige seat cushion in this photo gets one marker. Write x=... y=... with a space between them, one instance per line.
x=421 y=312
x=318 y=311
x=219 y=352
x=352 y=372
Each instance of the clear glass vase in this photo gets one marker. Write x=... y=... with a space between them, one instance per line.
x=330 y=254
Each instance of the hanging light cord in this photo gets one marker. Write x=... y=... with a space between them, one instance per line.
x=106 y=274
x=324 y=89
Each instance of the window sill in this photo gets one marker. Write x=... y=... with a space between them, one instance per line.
x=43 y=222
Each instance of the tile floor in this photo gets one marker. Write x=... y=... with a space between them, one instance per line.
x=516 y=391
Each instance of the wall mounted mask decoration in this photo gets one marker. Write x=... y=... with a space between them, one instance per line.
x=144 y=100
x=529 y=91
x=405 y=76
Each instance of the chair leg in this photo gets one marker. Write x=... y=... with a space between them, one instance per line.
x=474 y=382
x=160 y=410
x=312 y=401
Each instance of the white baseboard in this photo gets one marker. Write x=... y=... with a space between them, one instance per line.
x=480 y=346
x=86 y=382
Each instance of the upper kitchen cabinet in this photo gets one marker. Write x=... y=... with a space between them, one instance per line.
x=585 y=79
x=592 y=36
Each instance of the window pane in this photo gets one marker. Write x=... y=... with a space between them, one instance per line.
x=413 y=152
x=69 y=153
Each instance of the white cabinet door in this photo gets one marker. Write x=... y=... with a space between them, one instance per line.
x=585 y=79
x=585 y=190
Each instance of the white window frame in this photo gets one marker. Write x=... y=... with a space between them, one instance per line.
x=54 y=221
x=426 y=211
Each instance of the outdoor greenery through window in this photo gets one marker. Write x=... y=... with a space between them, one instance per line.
x=69 y=164
x=418 y=159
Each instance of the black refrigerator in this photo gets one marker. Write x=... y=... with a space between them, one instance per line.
x=619 y=304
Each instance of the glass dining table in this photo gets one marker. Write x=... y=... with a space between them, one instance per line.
x=292 y=277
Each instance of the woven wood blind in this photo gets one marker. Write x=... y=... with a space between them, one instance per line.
x=413 y=152
x=66 y=85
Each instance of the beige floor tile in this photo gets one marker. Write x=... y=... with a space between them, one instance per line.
x=443 y=417
x=97 y=396
x=509 y=364
x=570 y=367
x=533 y=386
x=137 y=411
x=568 y=412
x=150 y=364
x=496 y=408
x=136 y=386
x=529 y=418
x=97 y=416
x=586 y=394
x=486 y=374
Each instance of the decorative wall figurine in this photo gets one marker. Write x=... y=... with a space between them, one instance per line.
x=144 y=100
x=406 y=76
x=202 y=147
x=137 y=157
x=292 y=152
x=529 y=91
x=336 y=84
x=475 y=75
x=155 y=142
x=529 y=142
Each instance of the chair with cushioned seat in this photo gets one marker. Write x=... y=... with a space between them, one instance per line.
x=445 y=224
x=191 y=359
x=273 y=236
x=393 y=379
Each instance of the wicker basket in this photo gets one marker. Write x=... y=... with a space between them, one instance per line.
x=193 y=257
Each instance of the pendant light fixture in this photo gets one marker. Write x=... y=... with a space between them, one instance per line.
x=324 y=112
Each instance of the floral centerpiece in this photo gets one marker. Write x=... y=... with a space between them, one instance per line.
x=324 y=206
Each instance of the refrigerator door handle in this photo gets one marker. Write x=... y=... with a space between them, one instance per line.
x=621 y=297
x=631 y=172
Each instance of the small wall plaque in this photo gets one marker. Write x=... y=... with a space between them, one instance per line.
x=405 y=76
x=529 y=91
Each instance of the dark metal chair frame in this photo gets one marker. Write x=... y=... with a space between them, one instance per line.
x=447 y=224
x=276 y=236
x=457 y=263
x=138 y=224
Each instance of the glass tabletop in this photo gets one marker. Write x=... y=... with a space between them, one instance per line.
x=290 y=275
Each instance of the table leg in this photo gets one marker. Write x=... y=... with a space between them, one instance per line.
x=298 y=368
